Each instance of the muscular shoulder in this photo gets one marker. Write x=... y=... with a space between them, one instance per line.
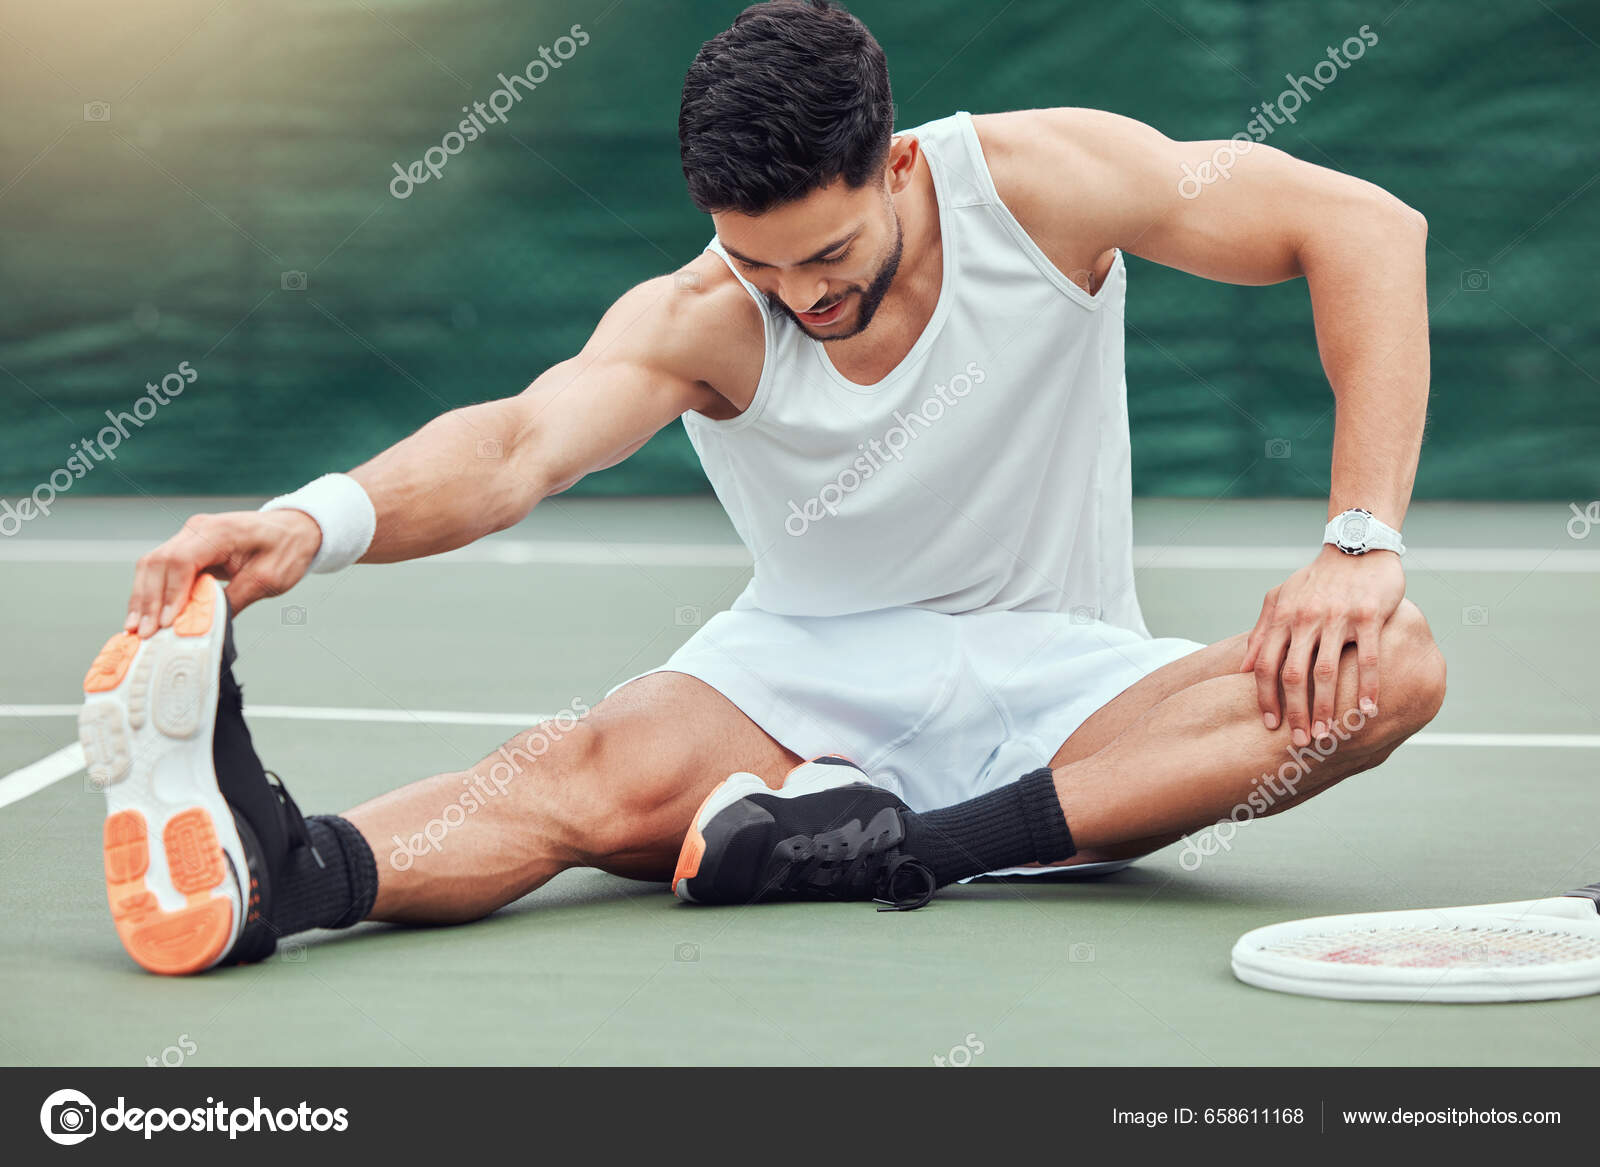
x=1071 y=177
x=697 y=326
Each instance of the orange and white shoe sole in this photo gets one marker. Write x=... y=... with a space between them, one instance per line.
x=172 y=852
x=806 y=778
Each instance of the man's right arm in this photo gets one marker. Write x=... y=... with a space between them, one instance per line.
x=655 y=355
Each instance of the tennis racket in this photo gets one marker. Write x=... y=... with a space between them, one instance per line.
x=1531 y=950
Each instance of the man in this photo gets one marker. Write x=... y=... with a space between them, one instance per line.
x=900 y=361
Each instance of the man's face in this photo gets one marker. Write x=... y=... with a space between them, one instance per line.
x=825 y=261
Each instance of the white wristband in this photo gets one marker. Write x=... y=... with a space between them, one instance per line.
x=342 y=509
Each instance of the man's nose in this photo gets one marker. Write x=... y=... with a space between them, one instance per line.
x=801 y=294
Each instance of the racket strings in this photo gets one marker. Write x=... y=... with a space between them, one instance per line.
x=1440 y=947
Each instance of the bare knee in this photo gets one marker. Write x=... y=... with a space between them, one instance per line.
x=618 y=788
x=1411 y=685
x=605 y=794
x=1412 y=670
x=639 y=797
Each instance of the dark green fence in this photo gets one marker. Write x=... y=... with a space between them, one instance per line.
x=242 y=145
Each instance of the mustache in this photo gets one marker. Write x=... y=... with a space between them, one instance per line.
x=778 y=305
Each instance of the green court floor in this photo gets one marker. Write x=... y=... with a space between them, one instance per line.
x=1499 y=800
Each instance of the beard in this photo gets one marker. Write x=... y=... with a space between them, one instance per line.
x=871 y=296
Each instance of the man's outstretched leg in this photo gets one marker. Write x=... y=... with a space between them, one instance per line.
x=615 y=791
x=208 y=861
x=1176 y=753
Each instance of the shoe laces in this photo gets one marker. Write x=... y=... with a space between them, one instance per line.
x=232 y=692
x=292 y=816
x=893 y=880
x=922 y=884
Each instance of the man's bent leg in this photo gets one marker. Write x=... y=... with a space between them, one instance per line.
x=1185 y=746
x=1195 y=753
x=617 y=790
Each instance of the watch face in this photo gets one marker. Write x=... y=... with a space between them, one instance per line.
x=1353 y=531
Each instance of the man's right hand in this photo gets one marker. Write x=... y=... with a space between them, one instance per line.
x=261 y=553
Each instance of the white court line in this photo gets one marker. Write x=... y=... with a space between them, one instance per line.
x=68 y=761
x=1559 y=741
x=327 y=713
x=1585 y=741
x=1560 y=561
x=493 y=551
x=1150 y=557
x=18 y=784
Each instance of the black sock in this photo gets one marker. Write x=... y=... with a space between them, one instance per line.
x=330 y=884
x=1017 y=824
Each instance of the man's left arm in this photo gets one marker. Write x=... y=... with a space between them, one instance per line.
x=1245 y=213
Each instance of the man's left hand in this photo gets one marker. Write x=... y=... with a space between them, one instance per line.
x=1305 y=623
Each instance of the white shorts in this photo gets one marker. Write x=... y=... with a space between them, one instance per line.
x=934 y=707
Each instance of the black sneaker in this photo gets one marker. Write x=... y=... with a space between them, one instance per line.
x=828 y=834
x=195 y=827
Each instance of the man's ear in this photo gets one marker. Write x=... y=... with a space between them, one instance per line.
x=904 y=150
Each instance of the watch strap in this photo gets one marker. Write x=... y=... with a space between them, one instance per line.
x=1379 y=535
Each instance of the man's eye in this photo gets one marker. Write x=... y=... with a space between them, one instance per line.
x=840 y=258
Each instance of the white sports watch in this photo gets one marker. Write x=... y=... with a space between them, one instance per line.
x=1356 y=532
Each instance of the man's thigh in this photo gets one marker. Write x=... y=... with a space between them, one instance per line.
x=1107 y=722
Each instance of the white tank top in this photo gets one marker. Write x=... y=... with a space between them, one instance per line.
x=988 y=471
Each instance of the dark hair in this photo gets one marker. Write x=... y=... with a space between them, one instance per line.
x=794 y=95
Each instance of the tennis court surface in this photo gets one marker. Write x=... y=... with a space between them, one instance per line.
x=362 y=681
